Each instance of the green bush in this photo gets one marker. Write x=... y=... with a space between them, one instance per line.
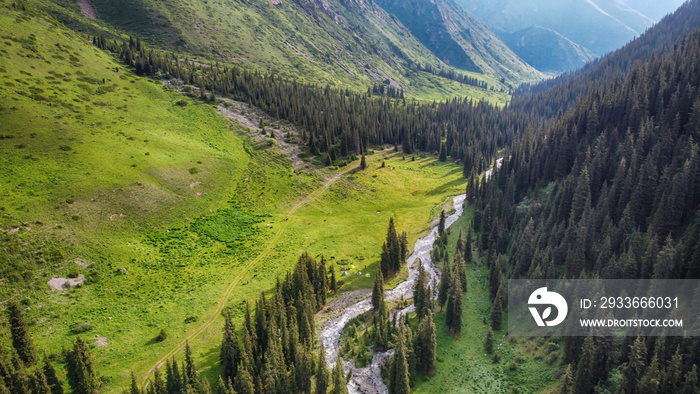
x=162 y=336
x=80 y=327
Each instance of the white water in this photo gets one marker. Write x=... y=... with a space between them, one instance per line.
x=369 y=379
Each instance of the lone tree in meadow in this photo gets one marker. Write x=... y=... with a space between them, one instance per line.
x=21 y=340
x=80 y=369
x=363 y=162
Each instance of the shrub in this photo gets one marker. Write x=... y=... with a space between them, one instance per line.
x=190 y=319
x=194 y=170
x=162 y=335
x=70 y=200
x=80 y=327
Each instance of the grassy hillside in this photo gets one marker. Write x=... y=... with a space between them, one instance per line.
x=348 y=44
x=162 y=205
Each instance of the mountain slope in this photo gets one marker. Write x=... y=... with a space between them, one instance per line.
x=654 y=9
x=350 y=43
x=458 y=38
x=547 y=50
x=599 y=26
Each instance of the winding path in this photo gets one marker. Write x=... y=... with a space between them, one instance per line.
x=224 y=298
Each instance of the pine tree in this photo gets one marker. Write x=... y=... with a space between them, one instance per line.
x=445 y=284
x=3 y=386
x=421 y=296
x=497 y=313
x=443 y=152
x=334 y=283
x=583 y=382
x=339 y=383
x=398 y=376
x=488 y=343
x=425 y=346
x=468 y=247
x=17 y=379
x=80 y=368
x=460 y=270
x=158 y=383
x=636 y=365
x=651 y=381
x=322 y=373
x=229 y=355
x=38 y=383
x=189 y=370
x=173 y=380
x=453 y=319
x=691 y=381
x=21 y=340
x=134 y=386
x=50 y=373
x=378 y=290
x=363 y=163
x=243 y=384
x=441 y=224
x=567 y=385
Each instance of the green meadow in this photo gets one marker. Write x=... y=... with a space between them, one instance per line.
x=168 y=210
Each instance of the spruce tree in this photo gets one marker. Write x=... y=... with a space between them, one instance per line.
x=38 y=383
x=333 y=284
x=425 y=346
x=229 y=355
x=421 y=296
x=567 y=385
x=3 y=386
x=691 y=381
x=80 y=369
x=398 y=376
x=443 y=152
x=468 y=247
x=51 y=377
x=340 y=386
x=445 y=284
x=17 y=379
x=441 y=224
x=363 y=162
x=453 y=319
x=243 y=384
x=460 y=269
x=322 y=373
x=636 y=365
x=189 y=370
x=583 y=382
x=21 y=340
x=134 y=389
x=488 y=343
x=158 y=383
x=497 y=313
x=173 y=380
x=378 y=290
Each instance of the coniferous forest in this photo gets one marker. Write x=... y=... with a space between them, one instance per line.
x=595 y=174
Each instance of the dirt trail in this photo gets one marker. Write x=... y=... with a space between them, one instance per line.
x=222 y=302
x=87 y=9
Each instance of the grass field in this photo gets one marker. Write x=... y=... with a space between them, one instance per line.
x=160 y=203
x=526 y=365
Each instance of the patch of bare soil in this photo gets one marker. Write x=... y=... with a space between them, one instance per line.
x=87 y=9
x=249 y=117
x=100 y=341
x=66 y=283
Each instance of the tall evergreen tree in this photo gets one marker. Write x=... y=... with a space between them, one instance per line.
x=421 y=295
x=243 y=384
x=634 y=369
x=173 y=380
x=190 y=374
x=497 y=313
x=443 y=152
x=134 y=389
x=441 y=224
x=453 y=319
x=38 y=383
x=363 y=163
x=378 y=290
x=583 y=382
x=425 y=346
x=445 y=284
x=230 y=354
x=488 y=343
x=80 y=369
x=52 y=379
x=322 y=373
x=21 y=340
x=158 y=385
x=691 y=381
x=398 y=375
x=334 y=283
x=339 y=383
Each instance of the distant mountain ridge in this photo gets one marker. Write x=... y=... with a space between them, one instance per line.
x=599 y=26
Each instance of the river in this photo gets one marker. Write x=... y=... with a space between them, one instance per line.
x=368 y=380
